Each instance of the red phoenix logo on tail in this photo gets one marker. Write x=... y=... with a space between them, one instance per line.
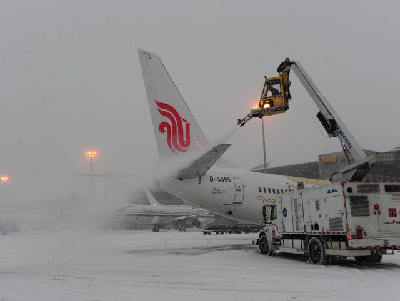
x=177 y=141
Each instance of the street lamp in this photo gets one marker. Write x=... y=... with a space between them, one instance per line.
x=263 y=139
x=4 y=180
x=91 y=154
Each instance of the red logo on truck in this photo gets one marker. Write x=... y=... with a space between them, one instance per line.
x=177 y=129
x=392 y=212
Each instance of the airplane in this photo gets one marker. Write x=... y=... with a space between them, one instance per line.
x=192 y=169
x=162 y=216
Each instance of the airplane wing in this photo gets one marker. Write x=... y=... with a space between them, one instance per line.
x=186 y=217
x=199 y=167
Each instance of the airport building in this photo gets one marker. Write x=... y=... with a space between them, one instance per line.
x=329 y=163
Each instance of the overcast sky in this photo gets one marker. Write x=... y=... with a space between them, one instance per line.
x=70 y=81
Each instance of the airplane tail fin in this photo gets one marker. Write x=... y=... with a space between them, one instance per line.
x=175 y=127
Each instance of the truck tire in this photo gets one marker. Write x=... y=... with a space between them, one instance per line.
x=372 y=259
x=316 y=251
x=265 y=247
x=362 y=259
x=377 y=258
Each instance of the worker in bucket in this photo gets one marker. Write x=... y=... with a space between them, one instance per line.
x=270 y=91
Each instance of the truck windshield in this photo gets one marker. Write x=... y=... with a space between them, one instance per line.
x=273 y=213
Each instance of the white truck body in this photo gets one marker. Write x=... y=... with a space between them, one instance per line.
x=360 y=219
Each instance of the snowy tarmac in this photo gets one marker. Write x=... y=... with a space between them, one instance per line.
x=141 y=265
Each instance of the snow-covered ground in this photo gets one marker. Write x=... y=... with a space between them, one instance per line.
x=139 y=265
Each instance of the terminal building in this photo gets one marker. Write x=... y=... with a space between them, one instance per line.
x=327 y=164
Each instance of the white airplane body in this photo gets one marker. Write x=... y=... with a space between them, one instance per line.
x=160 y=215
x=230 y=192
x=164 y=210
x=199 y=177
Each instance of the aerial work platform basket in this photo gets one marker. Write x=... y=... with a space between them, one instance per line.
x=274 y=98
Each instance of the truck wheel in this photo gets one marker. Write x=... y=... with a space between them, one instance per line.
x=316 y=251
x=377 y=258
x=362 y=259
x=333 y=259
x=264 y=246
x=372 y=259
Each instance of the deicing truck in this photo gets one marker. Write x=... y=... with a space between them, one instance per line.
x=348 y=219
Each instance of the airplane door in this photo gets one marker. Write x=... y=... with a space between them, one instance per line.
x=239 y=191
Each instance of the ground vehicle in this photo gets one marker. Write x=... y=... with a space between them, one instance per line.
x=246 y=228
x=348 y=219
x=237 y=229
x=218 y=229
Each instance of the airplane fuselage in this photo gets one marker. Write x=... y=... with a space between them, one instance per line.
x=167 y=215
x=234 y=193
x=164 y=210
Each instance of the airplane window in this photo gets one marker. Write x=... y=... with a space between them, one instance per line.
x=277 y=191
x=265 y=190
x=282 y=191
x=273 y=190
x=269 y=190
x=259 y=189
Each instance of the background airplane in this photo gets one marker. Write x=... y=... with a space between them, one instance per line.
x=167 y=215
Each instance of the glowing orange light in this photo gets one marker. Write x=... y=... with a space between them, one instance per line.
x=4 y=179
x=256 y=106
x=91 y=154
x=267 y=106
